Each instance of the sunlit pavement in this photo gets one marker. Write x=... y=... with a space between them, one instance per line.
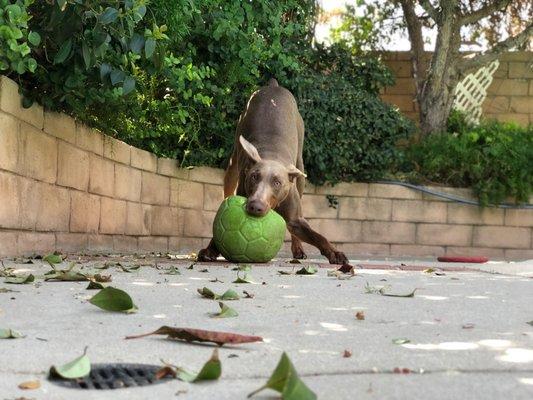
x=464 y=334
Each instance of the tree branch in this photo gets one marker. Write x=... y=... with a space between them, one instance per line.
x=483 y=58
x=475 y=16
x=431 y=11
x=414 y=28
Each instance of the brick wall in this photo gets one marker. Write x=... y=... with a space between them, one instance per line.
x=510 y=96
x=67 y=187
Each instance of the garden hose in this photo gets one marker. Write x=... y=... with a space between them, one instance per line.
x=455 y=198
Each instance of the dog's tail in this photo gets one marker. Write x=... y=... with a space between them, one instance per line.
x=273 y=82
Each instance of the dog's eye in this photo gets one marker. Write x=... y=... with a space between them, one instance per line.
x=254 y=177
x=277 y=183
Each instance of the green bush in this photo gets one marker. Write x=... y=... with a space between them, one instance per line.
x=495 y=159
x=173 y=77
x=351 y=134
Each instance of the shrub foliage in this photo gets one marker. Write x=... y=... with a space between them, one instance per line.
x=494 y=158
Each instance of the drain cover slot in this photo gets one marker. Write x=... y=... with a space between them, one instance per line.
x=114 y=376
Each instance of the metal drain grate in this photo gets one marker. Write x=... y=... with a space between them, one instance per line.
x=114 y=376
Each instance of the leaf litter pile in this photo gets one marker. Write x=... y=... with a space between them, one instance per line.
x=284 y=378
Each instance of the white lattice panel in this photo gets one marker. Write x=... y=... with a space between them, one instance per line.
x=471 y=92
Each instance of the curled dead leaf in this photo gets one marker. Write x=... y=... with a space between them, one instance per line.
x=360 y=315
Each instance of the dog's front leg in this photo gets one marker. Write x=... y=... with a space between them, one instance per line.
x=301 y=228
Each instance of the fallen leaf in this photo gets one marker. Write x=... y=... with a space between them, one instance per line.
x=245 y=279
x=400 y=341
x=383 y=293
x=530 y=323
x=100 y=278
x=360 y=315
x=242 y=268
x=10 y=334
x=6 y=290
x=30 y=385
x=113 y=299
x=346 y=353
x=309 y=270
x=53 y=259
x=248 y=295
x=468 y=326
x=165 y=371
x=339 y=275
x=129 y=269
x=295 y=261
x=428 y=270
x=191 y=266
x=93 y=285
x=172 y=271
x=66 y=275
x=201 y=335
x=20 y=279
x=225 y=312
x=227 y=295
x=282 y=272
x=77 y=368
x=216 y=280
x=373 y=289
x=211 y=370
x=285 y=381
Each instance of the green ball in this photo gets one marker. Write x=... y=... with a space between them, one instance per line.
x=241 y=237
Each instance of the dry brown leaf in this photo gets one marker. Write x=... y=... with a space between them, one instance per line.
x=30 y=385
x=347 y=354
x=360 y=315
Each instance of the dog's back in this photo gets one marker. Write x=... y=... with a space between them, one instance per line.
x=273 y=124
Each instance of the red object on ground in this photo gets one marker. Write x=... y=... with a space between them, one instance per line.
x=460 y=259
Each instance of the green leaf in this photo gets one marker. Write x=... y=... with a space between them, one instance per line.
x=530 y=323
x=105 y=70
x=245 y=279
x=225 y=312
x=285 y=381
x=94 y=286
x=172 y=271
x=309 y=270
x=32 y=64
x=85 y=52
x=149 y=47
x=108 y=16
x=63 y=52
x=34 y=38
x=77 y=368
x=242 y=267
x=19 y=280
x=129 y=85
x=113 y=299
x=211 y=370
x=7 y=333
x=117 y=76
x=53 y=259
x=227 y=295
x=400 y=341
x=136 y=43
x=383 y=293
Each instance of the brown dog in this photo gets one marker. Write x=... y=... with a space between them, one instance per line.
x=267 y=167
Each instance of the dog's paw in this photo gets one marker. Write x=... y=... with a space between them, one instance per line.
x=337 y=257
x=299 y=255
x=207 y=254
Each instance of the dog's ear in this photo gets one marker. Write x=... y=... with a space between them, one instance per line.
x=249 y=149
x=294 y=173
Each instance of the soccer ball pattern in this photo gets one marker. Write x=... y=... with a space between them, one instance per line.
x=241 y=237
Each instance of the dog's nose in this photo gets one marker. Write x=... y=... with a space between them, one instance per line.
x=256 y=208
